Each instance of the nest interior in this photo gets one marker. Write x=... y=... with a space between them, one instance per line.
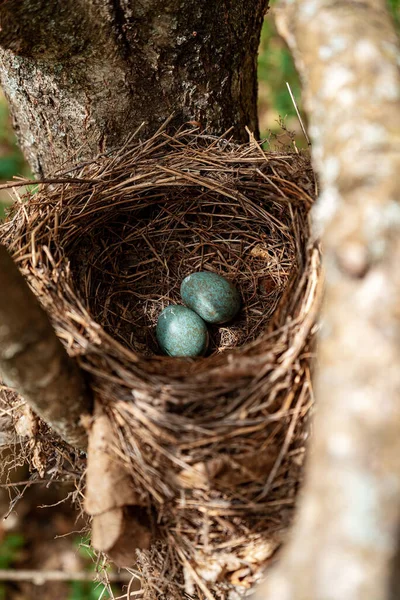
x=130 y=264
x=215 y=444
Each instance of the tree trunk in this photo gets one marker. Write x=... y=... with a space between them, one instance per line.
x=344 y=541
x=81 y=75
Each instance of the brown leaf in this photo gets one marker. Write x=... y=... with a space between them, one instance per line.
x=200 y=475
x=108 y=484
x=254 y=466
x=259 y=251
x=106 y=529
x=39 y=458
x=120 y=532
x=26 y=422
x=228 y=471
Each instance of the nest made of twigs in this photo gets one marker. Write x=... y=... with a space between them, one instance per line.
x=215 y=445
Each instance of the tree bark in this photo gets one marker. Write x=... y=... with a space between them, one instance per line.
x=344 y=541
x=81 y=75
x=34 y=362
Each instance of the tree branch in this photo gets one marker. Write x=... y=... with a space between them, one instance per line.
x=345 y=537
x=34 y=362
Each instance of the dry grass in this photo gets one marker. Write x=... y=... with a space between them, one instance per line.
x=215 y=445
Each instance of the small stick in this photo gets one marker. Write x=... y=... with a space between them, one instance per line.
x=298 y=114
x=14 y=184
x=40 y=577
x=29 y=482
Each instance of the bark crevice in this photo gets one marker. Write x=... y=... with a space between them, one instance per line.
x=126 y=63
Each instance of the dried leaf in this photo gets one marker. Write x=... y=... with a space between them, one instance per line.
x=120 y=532
x=26 y=422
x=109 y=485
x=228 y=471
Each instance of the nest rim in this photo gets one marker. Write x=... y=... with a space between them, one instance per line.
x=182 y=413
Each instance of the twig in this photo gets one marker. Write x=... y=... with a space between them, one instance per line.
x=298 y=114
x=23 y=182
x=41 y=577
x=30 y=482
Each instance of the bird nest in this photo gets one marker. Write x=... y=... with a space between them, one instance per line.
x=215 y=445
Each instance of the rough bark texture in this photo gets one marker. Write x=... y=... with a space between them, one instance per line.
x=33 y=360
x=345 y=538
x=81 y=75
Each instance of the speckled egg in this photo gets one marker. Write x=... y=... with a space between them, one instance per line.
x=211 y=296
x=181 y=332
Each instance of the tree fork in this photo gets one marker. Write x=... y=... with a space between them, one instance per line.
x=34 y=362
x=82 y=75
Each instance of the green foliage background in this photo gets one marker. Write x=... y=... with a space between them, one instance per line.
x=10 y=548
x=276 y=67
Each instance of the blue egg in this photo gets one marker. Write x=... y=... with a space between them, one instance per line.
x=181 y=332
x=211 y=296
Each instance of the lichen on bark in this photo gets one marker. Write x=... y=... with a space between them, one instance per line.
x=81 y=76
x=345 y=538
